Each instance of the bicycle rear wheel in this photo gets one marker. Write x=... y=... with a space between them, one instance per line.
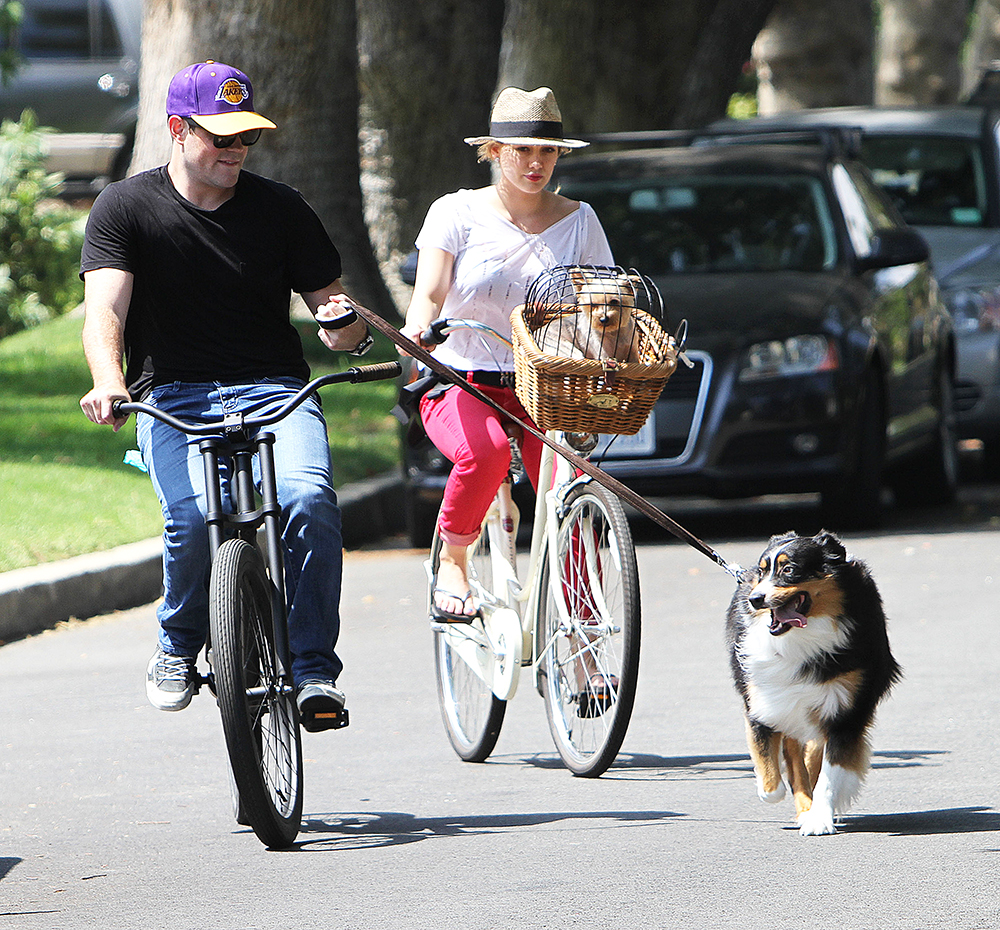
x=589 y=661
x=472 y=713
x=259 y=716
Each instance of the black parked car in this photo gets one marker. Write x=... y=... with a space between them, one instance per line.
x=940 y=166
x=823 y=358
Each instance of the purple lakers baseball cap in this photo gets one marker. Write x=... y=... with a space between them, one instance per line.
x=218 y=97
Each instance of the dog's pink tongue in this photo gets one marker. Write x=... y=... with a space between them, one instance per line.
x=787 y=615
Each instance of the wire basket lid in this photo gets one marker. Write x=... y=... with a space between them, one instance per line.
x=560 y=286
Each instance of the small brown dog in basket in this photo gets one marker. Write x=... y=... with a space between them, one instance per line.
x=601 y=326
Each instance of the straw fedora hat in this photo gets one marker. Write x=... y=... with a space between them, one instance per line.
x=526 y=117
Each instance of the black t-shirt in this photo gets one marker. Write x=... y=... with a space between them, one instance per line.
x=211 y=289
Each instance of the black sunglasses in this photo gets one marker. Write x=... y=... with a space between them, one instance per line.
x=224 y=142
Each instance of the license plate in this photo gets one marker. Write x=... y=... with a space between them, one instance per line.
x=620 y=447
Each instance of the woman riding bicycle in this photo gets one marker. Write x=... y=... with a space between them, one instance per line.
x=478 y=252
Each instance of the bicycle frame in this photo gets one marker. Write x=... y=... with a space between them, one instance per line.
x=575 y=618
x=240 y=438
x=502 y=524
x=248 y=517
x=250 y=654
x=521 y=598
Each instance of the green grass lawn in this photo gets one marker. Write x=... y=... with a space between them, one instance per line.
x=63 y=488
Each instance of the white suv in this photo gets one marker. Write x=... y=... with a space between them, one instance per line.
x=79 y=74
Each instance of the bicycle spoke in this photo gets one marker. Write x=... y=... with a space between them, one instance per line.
x=588 y=631
x=257 y=705
x=472 y=714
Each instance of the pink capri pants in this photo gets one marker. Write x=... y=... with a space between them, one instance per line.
x=471 y=435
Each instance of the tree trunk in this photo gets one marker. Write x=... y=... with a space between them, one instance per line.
x=302 y=60
x=920 y=55
x=815 y=55
x=632 y=64
x=984 y=43
x=428 y=70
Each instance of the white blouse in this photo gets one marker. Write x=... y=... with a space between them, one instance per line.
x=495 y=262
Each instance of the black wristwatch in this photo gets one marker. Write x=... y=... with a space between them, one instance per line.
x=366 y=343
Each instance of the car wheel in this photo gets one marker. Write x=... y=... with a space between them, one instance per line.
x=932 y=478
x=855 y=502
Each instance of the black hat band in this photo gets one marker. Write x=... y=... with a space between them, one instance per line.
x=529 y=129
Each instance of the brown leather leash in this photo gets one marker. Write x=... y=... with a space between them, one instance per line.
x=588 y=468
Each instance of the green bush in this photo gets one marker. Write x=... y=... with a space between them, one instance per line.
x=40 y=236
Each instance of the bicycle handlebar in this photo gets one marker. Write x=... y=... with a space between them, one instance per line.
x=237 y=422
x=440 y=329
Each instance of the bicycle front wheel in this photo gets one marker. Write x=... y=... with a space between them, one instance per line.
x=472 y=713
x=589 y=653
x=257 y=703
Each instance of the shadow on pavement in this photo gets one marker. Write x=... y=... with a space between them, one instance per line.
x=927 y=823
x=393 y=828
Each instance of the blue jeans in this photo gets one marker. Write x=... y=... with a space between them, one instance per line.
x=310 y=517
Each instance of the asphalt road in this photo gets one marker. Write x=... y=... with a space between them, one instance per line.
x=115 y=815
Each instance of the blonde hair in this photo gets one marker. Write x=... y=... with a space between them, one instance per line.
x=486 y=150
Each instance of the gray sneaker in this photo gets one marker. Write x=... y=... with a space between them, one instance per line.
x=321 y=705
x=169 y=680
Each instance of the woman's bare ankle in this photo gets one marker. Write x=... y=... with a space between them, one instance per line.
x=452 y=586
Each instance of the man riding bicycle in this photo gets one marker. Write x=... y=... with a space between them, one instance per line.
x=188 y=272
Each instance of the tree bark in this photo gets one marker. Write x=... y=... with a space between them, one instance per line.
x=302 y=60
x=428 y=70
x=815 y=55
x=920 y=56
x=984 y=43
x=632 y=64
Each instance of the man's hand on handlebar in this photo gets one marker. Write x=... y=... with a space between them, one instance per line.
x=96 y=405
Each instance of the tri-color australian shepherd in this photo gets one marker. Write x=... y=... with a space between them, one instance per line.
x=810 y=657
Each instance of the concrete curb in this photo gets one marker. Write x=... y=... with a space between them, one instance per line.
x=37 y=598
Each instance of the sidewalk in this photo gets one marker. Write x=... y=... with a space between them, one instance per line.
x=37 y=598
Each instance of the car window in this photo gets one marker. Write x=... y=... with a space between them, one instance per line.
x=702 y=224
x=932 y=180
x=77 y=29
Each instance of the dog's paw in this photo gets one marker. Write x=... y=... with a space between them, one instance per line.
x=772 y=797
x=816 y=822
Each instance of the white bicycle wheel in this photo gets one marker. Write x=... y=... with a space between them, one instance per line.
x=471 y=712
x=589 y=655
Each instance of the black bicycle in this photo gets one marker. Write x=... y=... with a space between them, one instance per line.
x=249 y=664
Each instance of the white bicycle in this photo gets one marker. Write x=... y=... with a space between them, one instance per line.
x=573 y=617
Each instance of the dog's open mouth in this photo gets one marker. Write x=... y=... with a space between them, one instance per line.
x=791 y=613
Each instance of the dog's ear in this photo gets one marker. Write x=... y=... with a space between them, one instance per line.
x=781 y=538
x=578 y=279
x=833 y=548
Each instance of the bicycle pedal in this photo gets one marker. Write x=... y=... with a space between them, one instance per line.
x=318 y=722
x=590 y=705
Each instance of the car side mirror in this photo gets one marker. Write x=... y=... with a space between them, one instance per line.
x=892 y=247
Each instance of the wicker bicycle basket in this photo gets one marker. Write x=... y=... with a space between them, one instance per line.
x=583 y=395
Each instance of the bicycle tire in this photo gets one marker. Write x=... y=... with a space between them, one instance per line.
x=471 y=712
x=588 y=726
x=259 y=714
